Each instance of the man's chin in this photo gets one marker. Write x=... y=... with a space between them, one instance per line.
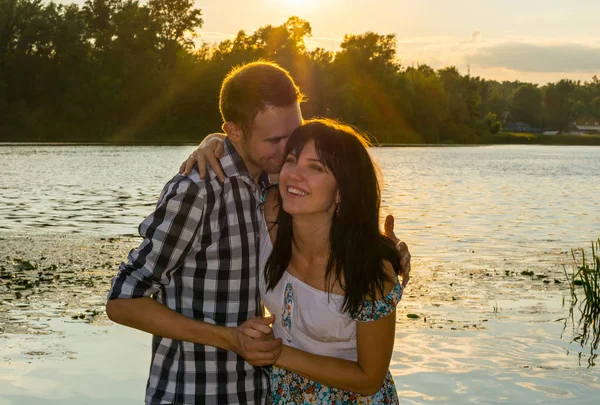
x=273 y=169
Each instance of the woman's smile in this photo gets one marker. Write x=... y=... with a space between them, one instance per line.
x=295 y=191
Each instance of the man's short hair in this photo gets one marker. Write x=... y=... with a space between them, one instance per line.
x=251 y=88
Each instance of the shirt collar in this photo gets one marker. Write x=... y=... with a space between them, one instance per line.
x=232 y=163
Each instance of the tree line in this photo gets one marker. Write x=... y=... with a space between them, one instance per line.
x=122 y=71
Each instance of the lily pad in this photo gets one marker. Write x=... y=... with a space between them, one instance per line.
x=25 y=264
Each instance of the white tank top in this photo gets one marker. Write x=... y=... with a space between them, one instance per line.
x=306 y=318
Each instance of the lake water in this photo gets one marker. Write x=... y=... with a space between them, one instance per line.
x=448 y=201
x=474 y=218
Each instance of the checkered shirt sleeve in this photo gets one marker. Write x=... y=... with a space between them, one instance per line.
x=168 y=234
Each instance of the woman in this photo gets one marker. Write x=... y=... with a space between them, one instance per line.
x=330 y=276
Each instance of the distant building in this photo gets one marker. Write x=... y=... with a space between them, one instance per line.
x=520 y=127
x=587 y=124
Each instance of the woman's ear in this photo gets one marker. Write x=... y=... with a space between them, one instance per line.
x=338 y=200
x=233 y=131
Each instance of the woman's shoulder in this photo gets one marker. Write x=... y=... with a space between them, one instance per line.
x=390 y=282
x=385 y=301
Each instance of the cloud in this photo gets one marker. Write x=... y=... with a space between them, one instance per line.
x=475 y=36
x=541 y=78
x=531 y=57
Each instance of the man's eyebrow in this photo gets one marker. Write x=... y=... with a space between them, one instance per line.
x=276 y=138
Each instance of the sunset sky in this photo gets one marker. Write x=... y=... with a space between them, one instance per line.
x=529 y=40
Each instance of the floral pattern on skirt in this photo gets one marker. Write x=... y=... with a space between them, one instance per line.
x=291 y=388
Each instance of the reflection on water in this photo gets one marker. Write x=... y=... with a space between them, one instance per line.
x=509 y=362
x=75 y=189
x=585 y=321
x=488 y=228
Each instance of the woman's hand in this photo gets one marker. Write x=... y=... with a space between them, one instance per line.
x=255 y=342
x=210 y=150
x=258 y=328
x=402 y=248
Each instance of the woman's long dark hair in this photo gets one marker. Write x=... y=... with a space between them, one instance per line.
x=357 y=246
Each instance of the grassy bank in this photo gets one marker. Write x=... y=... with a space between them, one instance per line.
x=383 y=138
x=522 y=138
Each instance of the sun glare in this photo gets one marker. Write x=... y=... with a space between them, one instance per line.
x=299 y=4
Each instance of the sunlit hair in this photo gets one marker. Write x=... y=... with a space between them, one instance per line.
x=251 y=88
x=357 y=246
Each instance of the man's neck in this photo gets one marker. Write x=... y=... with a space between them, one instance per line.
x=253 y=170
x=250 y=169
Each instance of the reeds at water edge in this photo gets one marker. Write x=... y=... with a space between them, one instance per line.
x=585 y=275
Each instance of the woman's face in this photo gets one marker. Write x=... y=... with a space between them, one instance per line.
x=306 y=185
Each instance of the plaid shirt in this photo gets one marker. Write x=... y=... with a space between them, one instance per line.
x=199 y=257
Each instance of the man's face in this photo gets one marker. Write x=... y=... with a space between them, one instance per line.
x=263 y=147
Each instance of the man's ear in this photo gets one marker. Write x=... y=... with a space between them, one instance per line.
x=233 y=131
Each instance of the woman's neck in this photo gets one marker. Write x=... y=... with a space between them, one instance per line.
x=311 y=237
x=311 y=248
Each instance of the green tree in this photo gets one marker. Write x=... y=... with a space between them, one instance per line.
x=492 y=122
x=98 y=15
x=367 y=87
x=594 y=107
x=463 y=95
x=370 y=51
x=526 y=105
x=178 y=21
x=497 y=104
x=425 y=91
x=558 y=104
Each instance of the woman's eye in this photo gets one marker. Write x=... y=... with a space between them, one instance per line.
x=317 y=168
x=290 y=159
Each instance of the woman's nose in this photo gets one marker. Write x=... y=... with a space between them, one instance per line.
x=297 y=173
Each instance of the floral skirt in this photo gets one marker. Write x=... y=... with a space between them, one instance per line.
x=290 y=388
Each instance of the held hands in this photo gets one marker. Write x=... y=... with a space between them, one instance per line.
x=402 y=248
x=210 y=150
x=255 y=342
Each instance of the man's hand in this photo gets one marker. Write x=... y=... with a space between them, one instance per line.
x=402 y=248
x=210 y=150
x=255 y=342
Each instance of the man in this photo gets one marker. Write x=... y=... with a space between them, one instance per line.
x=193 y=280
